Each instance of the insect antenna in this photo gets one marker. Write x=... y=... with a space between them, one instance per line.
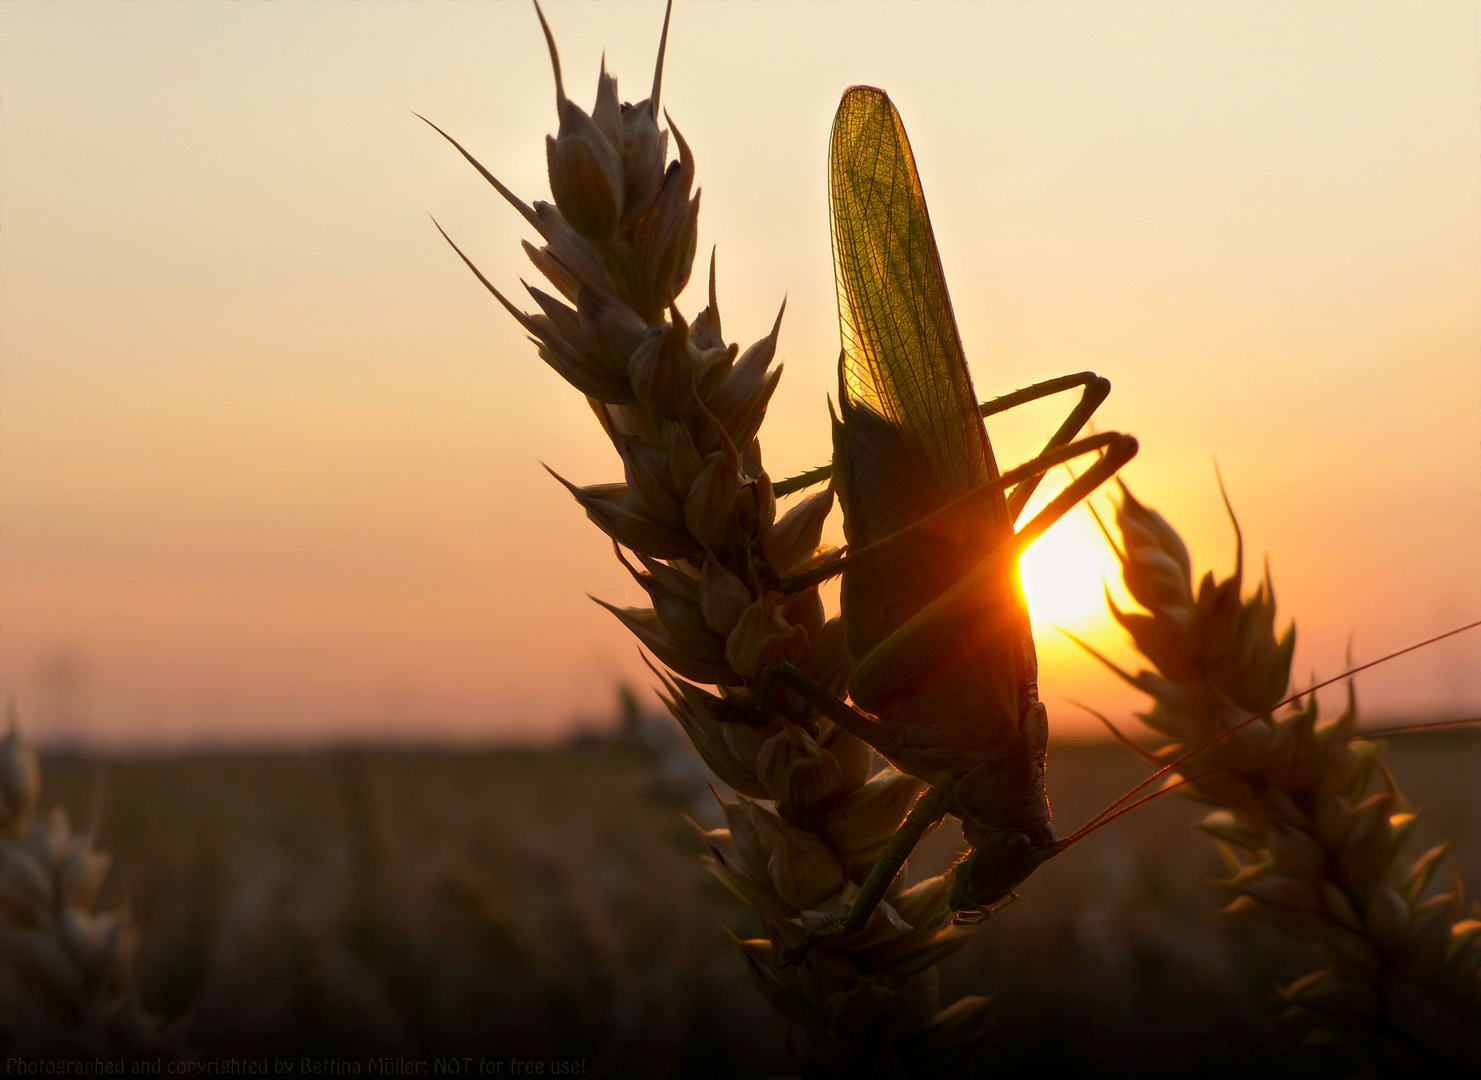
x=1119 y=807
x=1106 y=816
x=1415 y=729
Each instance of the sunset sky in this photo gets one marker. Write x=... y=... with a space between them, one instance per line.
x=270 y=456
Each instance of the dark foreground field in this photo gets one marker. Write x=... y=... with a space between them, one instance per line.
x=550 y=906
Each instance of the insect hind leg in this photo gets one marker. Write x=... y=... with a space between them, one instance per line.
x=1095 y=389
x=928 y=810
x=1115 y=447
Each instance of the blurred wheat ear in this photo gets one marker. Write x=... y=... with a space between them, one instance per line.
x=1312 y=825
x=66 y=969
x=697 y=510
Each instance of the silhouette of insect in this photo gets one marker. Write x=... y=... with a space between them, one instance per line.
x=936 y=626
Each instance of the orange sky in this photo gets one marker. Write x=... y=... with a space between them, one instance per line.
x=269 y=456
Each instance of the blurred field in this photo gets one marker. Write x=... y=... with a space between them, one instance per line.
x=551 y=904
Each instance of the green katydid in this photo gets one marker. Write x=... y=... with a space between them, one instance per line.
x=936 y=626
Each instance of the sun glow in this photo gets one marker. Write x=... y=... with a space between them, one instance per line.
x=1064 y=573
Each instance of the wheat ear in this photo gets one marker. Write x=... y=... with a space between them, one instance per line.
x=1312 y=825
x=66 y=970
x=697 y=511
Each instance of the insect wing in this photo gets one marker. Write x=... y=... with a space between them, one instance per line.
x=902 y=356
x=911 y=441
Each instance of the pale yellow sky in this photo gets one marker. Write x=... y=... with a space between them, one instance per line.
x=269 y=456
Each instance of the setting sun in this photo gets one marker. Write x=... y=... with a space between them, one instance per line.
x=1065 y=571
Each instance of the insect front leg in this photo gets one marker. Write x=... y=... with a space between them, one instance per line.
x=1095 y=390
x=928 y=811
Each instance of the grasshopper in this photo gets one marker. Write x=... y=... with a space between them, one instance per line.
x=943 y=661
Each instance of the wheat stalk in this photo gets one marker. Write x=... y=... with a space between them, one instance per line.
x=698 y=512
x=1312 y=826
x=66 y=970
